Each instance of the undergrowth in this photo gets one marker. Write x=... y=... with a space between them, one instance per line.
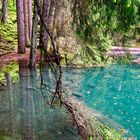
x=8 y=32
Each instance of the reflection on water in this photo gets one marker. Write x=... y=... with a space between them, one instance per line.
x=25 y=113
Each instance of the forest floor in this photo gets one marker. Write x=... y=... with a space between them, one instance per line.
x=14 y=56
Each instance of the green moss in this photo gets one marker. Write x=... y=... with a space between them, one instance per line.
x=9 y=29
x=106 y=132
x=5 y=138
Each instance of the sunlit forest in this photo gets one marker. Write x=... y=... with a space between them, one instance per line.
x=69 y=69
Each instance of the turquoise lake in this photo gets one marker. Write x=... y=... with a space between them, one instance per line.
x=114 y=91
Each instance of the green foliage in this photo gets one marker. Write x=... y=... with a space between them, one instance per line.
x=5 y=138
x=106 y=132
x=9 y=29
x=126 y=59
x=95 y=52
x=95 y=21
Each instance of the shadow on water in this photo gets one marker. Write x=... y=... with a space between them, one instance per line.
x=25 y=113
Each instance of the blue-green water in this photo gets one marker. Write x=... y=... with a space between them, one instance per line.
x=114 y=91
x=25 y=112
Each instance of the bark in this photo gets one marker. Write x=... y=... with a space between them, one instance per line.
x=43 y=33
x=30 y=18
x=50 y=18
x=34 y=39
x=27 y=7
x=4 y=11
x=20 y=26
x=26 y=23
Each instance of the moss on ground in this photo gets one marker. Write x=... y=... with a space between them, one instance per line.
x=8 y=34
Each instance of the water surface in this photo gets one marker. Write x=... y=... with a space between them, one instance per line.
x=114 y=91
x=25 y=113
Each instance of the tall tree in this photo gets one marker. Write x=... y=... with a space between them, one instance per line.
x=27 y=20
x=30 y=18
x=4 y=11
x=26 y=23
x=50 y=21
x=20 y=26
x=34 y=39
x=43 y=33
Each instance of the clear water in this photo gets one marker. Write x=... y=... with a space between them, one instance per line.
x=114 y=91
x=24 y=110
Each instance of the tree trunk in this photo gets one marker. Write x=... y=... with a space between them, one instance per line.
x=50 y=19
x=30 y=18
x=4 y=11
x=20 y=26
x=26 y=23
x=34 y=39
x=43 y=33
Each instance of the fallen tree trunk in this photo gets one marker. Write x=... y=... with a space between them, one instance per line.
x=88 y=125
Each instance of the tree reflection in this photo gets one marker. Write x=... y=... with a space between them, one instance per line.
x=26 y=103
x=32 y=103
x=11 y=104
x=27 y=111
